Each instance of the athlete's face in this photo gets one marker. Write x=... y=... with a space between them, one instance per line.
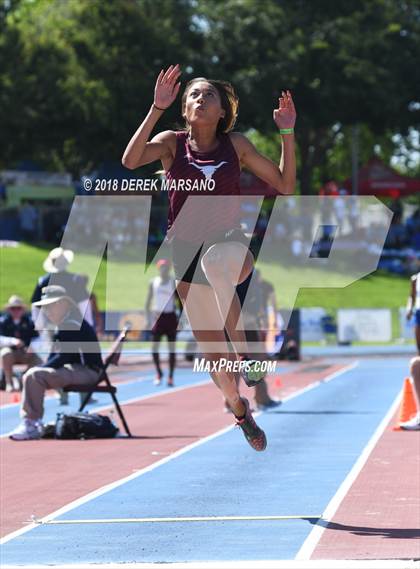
x=203 y=104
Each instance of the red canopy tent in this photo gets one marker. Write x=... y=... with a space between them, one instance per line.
x=378 y=179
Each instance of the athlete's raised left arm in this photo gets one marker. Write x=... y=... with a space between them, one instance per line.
x=281 y=176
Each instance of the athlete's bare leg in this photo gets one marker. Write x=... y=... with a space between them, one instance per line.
x=226 y=265
x=203 y=314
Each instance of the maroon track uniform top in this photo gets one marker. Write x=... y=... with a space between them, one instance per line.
x=216 y=214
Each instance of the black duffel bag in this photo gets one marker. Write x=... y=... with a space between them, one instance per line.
x=84 y=426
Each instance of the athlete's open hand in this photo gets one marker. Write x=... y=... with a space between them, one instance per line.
x=285 y=115
x=166 y=88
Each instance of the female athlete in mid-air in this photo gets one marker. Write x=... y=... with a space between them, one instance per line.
x=208 y=150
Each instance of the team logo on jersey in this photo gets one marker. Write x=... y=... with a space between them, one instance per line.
x=205 y=168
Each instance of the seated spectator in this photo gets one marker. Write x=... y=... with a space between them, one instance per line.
x=16 y=330
x=75 y=358
x=55 y=266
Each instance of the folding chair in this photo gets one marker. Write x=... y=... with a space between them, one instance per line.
x=112 y=358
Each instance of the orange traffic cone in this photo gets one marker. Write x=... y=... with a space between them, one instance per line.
x=408 y=407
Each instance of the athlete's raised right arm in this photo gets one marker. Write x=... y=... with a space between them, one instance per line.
x=139 y=151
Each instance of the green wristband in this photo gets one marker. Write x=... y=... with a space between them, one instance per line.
x=287 y=130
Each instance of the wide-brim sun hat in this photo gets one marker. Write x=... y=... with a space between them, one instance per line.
x=58 y=260
x=15 y=302
x=53 y=293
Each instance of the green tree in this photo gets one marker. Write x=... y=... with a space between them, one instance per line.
x=78 y=75
x=345 y=62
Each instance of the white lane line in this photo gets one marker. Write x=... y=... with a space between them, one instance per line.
x=340 y=372
x=260 y=564
x=108 y=487
x=173 y=520
x=309 y=545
